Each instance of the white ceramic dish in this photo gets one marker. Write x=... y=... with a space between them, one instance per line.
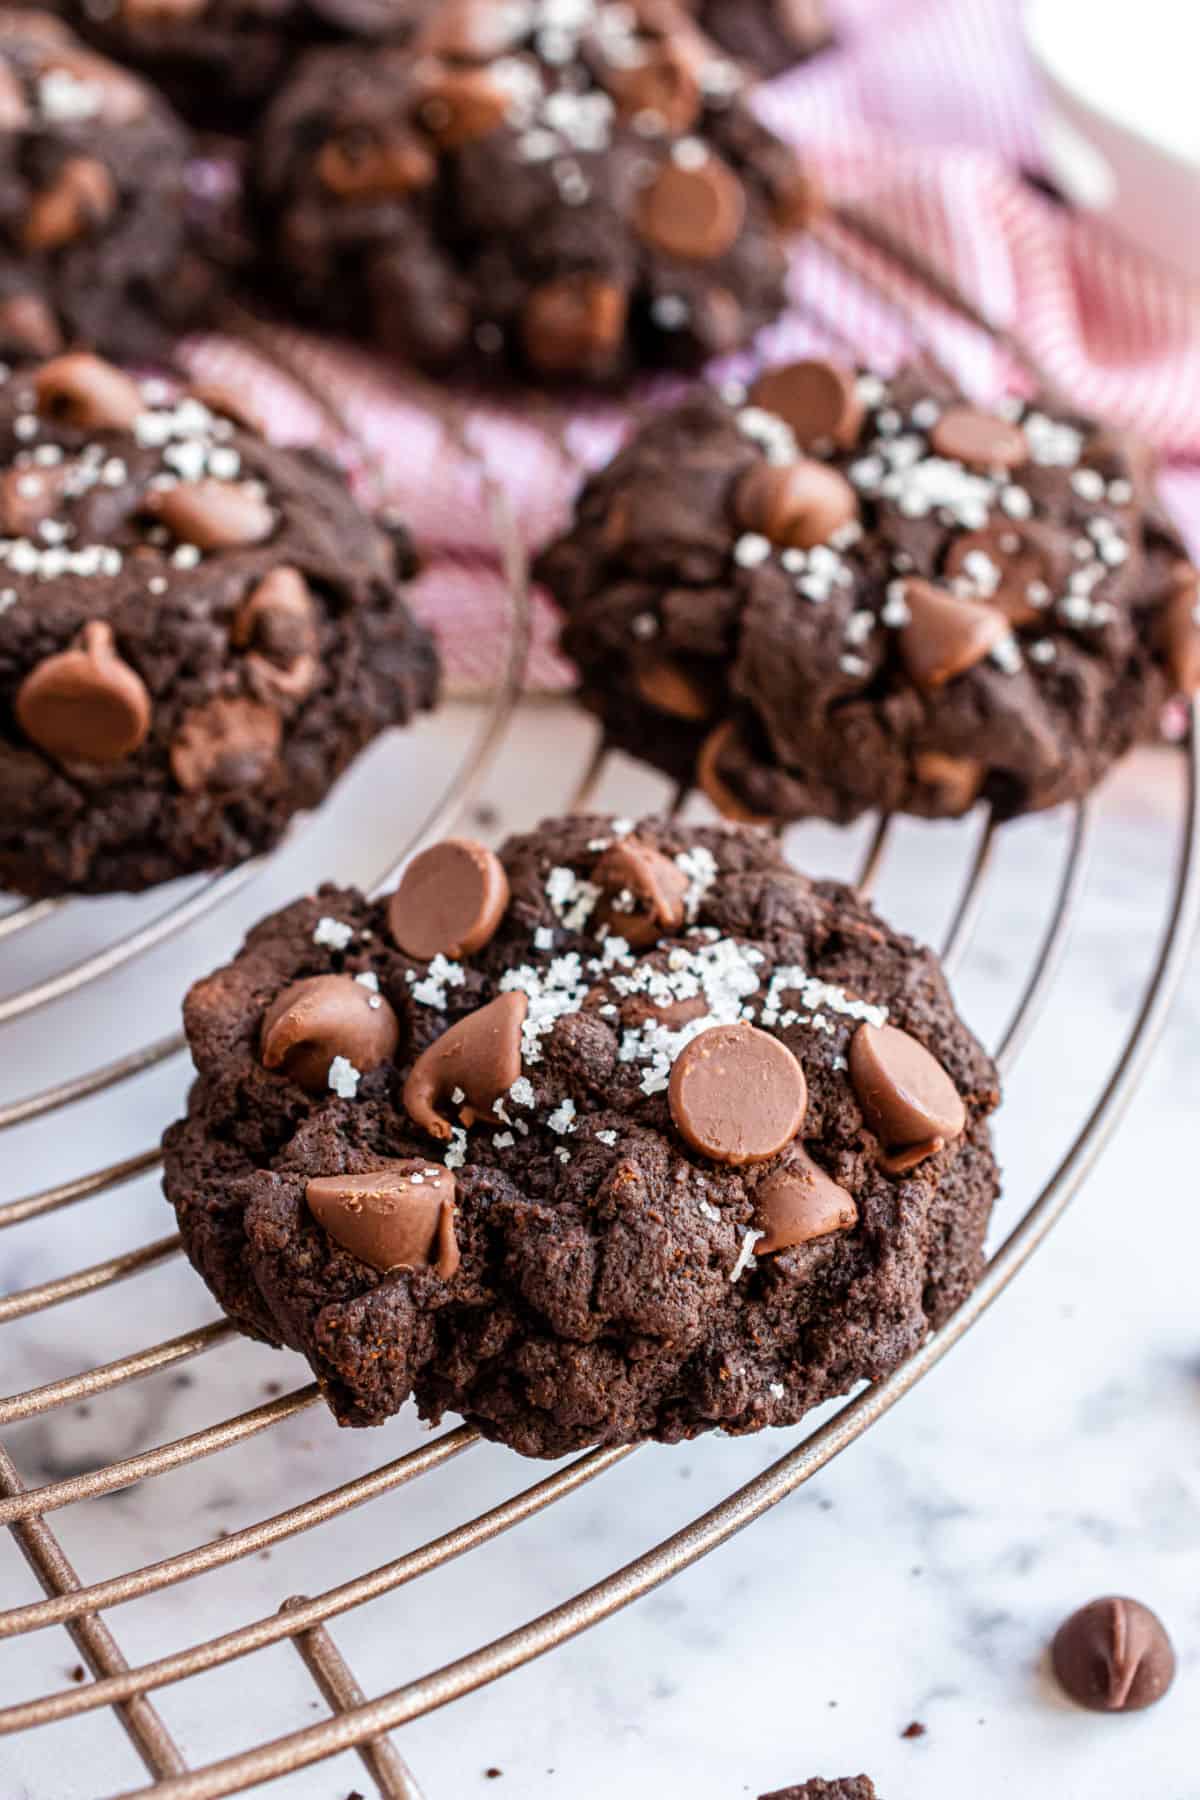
x=1122 y=124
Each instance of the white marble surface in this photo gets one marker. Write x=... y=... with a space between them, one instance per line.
x=1054 y=1456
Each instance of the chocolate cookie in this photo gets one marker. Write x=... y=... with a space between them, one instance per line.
x=197 y=632
x=834 y=593
x=576 y=191
x=767 y=35
x=91 y=199
x=630 y=1132
x=849 y=1787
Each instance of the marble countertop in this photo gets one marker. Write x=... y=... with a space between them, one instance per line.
x=1054 y=1456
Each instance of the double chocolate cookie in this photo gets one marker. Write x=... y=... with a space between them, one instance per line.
x=849 y=1787
x=91 y=199
x=832 y=593
x=574 y=190
x=629 y=1132
x=197 y=632
x=768 y=35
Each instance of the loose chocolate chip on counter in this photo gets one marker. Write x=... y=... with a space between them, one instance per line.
x=363 y=169
x=450 y=901
x=800 y=504
x=737 y=1095
x=82 y=390
x=277 y=618
x=323 y=1017
x=693 y=212
x=946 y=634
x=86 y=703
x=906 y=1096
x=214 y=515
x=1113 y=1656
x=575 y=325
x=398 y=1216
x=479 y=1058
x=1017 y=567
x=981 y=440
x=459 y=105
x=642 y=893
x=710 y=781
x=28 y=327
x=799 y=1202
x=818 y=400
x=665 y=685
x=1180 y=632
x=81 y=196
x=226 y=744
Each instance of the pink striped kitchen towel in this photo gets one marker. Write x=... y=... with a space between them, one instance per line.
x=924 y=117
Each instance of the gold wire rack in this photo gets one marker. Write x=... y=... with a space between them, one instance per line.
x=355 y=1722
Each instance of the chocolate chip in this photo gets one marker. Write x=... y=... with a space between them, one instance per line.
x=955 y=781
x=1013 y=566
x=800 y=504
x=662 y=86
x=906 y=1096
x=28 y=327
x=459 y=105
x=981 y=440
x=642 y=893
x=29 y=496
x=81 y=390
x=575 y=325
x=398 y=1216
x=359 y=169
x=86 y=702
x=213 y=515
x=228 y=404
x=694 y=213
x=817 y=399
x=799 y=1202
x=710 y=780
x=737 y=1095
x=946 y=635
x=450 y=901
x=1113 y=1656
x=325 y=1016
x=225 y=745
x=81 y=197
x=1180 y=629
x=480 y=1056
x=277 y=618
x=663 y=684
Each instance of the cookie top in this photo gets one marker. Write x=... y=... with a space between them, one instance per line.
x=833 y=592
x=632 y=1131
x=93 y=196
x=768 y=35
x=197 y=630
x=575 y=190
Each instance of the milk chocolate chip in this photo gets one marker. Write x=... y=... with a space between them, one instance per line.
x=479 y=1058
x=1113 y=1656
x=575 y=325
x=661 y=89
x=800 y=504
x=946 y=635
x=459 y=105
x=1017 y=567
x=226 y=744
x=28 y=327
x=398 y=1216
x=710 y=780
x=86 y=703
x=277 y=624
x=799 y=1202
x=737 y=1095
x=81 y=390
x=450 y=901
x=817 y=399
x=643 y=893
x=323 y=1017
x=29 y=495
x=906 y=1096
x=669 y=688
x=81 y=197
x=693 y=211
x=213 y=515
x=981 y=440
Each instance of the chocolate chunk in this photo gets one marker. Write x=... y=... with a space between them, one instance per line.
x=694 y=212
x=1113 y=1656
x=817 y=399
x=450 y=901
x=81 y=197
x=214 y=515
x=81 y=390
x=363 y=169
x=277 y=618
x=643 y=891
x=799 y=1202
x=575 y=325
x=479 y=1058
x=906 y=1096
x=799 y=504
x=981 y=440
x=459 y=105
x=665 y=685
x=323 y=1017
x=398 y=1216
x=226 y=745
x=737 y=1095
x=86 y=702
x=1017 y=567
x=1180 y=635
x=946 y=635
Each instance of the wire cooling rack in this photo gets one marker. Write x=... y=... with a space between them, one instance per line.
x=354 y=1722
